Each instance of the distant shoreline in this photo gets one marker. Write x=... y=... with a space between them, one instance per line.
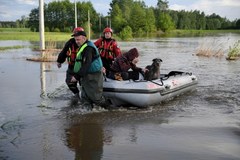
x=26 y=35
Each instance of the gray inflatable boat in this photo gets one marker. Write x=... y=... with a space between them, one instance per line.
x=142 y=93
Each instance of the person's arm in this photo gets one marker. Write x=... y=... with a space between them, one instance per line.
x=63 y=54
x=135 y=68
x=116 y=49
x=124 y=65
x=97 y=43
x=134 y=65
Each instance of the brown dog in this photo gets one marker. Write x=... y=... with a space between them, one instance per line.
x=153 y=70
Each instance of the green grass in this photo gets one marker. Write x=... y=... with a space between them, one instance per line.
x=26 y=34
x=34 y=36
x=15 y=30
x=192 y=33
x=234 y=51
x=10 y=47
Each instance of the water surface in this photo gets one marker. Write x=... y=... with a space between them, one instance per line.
x=39 y=119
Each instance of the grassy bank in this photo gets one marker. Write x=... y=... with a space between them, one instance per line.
x=192 y=33
x=34 y=36
x=26 y=34
x=11 y=47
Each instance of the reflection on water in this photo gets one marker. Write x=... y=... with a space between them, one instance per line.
x=85 y=139
x=87 y=135
x=38 y=115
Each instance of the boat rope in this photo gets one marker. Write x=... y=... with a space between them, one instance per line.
x=174 y=73
x=150 y=81
x=158 y=83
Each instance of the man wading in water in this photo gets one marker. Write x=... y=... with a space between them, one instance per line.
x=88 y=70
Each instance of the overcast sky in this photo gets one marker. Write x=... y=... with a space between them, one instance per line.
x=11 y=10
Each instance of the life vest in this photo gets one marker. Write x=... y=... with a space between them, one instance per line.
x=106 y=49
x=96 y=64
x=71 y=54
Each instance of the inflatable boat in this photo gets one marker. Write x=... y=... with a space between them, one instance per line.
x=142 y=93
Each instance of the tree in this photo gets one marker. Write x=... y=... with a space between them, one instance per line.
x=238 y=24
x=201 y=23
x=174 y=16
x=138 y=17
x=162 y=5
x=22 y=23
x=118 y=22
x=126 y=33
x=34 y=20
x=125 y=6
x=165 y=22
x=150 y=20
x=59 y=15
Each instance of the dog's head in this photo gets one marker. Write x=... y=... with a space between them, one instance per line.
x=156 y=61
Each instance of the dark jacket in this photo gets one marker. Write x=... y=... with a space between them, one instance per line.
x=69 y=51
x=124 y=62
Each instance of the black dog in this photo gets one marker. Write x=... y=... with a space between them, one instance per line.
x=153 y=70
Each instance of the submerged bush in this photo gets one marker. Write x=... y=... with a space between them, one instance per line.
x=234 y=52
x=212 y=49
x=126 y=33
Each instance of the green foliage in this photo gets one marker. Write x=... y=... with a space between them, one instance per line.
x=60 y=14
x=138 y=18
x=126 y=33
x=118 y=22
x=238 y=24
x=234 y=52
x=34 y=20
x=165 y=22
x=150 y=21
x=14 y=30
x=56 y=30
x=10 y=47
x=46 y=29
x=162 y=5
x=139 y=33
x=16 y=34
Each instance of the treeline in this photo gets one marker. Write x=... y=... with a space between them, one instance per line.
x=140 y=17
x=126 y=17
x=60 y=16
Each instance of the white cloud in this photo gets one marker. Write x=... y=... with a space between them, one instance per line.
x=225 y=8
x=230 y=3
x=101 y=8
x=27 y=2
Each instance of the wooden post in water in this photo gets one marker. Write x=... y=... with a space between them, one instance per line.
x=100 y=24
x=75 y=13
x=41 y=25
x=89 y=26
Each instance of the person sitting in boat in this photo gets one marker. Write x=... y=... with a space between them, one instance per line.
x=123 y=63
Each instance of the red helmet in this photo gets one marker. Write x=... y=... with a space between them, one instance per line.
x=78 y=29
x=108 y=30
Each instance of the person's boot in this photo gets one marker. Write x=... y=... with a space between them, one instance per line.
x=77 y=96
x=106 y=104
x=86 y=105
x=75 y=99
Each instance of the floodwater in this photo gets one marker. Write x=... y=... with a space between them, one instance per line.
x=39 y=120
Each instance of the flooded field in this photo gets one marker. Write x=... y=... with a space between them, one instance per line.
x=38 y=119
